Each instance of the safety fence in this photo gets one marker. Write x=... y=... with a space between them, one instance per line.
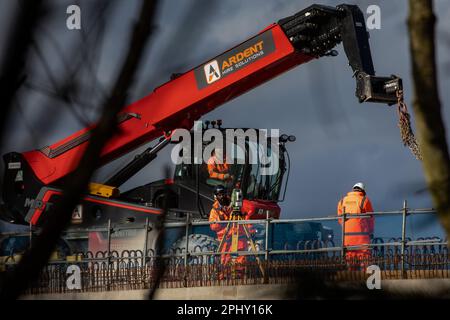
x=129 y=274
x=200 y=265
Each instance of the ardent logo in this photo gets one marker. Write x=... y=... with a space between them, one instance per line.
x=212 y=72
x=235 y=59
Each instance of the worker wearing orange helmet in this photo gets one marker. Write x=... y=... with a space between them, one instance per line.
x=221 y=211
x=218 y=168
x=358 y=231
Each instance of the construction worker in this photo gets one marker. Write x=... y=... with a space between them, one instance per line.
x=221 y=211
x=358 y=231
x=219 y=170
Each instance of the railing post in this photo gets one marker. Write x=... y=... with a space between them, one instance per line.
x=186 y=254
x=31 y=235
x=267 y=237
x=404 y=214
x=144 y=255
x=267 y=255
x=343 y=251
x=108 y=254
x=109 y=242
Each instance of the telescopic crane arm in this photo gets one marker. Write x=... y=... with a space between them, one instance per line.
x=307 y=35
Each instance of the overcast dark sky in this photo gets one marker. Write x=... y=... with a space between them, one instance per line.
x=339 y=141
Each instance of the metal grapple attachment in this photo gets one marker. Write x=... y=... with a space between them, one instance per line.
x=317 y=29
x=378 y=89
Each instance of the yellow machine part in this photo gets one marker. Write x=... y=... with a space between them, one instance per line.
x=234 y=242
x=74 y=258
x=8 y=260
x=102 y=190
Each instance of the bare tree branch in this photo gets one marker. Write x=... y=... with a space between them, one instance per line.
x=59 y=215
x=427 y=106
x=159 y=266
x=15 y=53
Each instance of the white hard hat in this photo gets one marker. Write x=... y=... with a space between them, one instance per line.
x=360 y=185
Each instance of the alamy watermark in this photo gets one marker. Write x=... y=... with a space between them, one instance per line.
x=73 y=21
x=374 y=280
x=73 y=282
x=374 y=17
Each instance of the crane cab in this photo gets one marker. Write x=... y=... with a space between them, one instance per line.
x=255 y=161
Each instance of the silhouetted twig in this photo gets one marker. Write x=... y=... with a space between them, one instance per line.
x=160 y=265
x=15 y=53
x=427 y=106
x=60 y=214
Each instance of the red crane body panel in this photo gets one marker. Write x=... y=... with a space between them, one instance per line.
x=179 y=102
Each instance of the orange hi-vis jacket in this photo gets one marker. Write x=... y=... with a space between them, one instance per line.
x=217 y=170
x=357 y=230
x=222 y=213
x=219 y=213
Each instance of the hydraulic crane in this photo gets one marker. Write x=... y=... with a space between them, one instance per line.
x=33 y=179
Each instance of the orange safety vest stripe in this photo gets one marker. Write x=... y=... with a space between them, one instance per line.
x=356 y=233
x=361 y=206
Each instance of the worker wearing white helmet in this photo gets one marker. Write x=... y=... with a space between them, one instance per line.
x=358 y=231
x=359 y=186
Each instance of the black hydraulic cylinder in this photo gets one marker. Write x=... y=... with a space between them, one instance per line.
x=137 y=164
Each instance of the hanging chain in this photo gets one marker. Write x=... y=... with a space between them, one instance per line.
x=404 y=123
